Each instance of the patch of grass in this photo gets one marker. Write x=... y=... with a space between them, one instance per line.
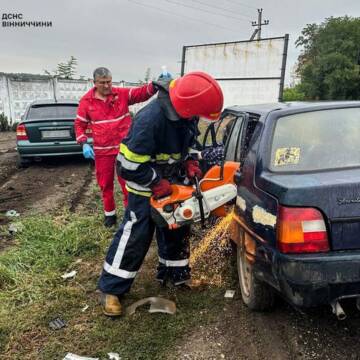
x=32 y=293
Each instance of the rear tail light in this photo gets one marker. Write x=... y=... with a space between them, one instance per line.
x=301 y=230
x=21 y=132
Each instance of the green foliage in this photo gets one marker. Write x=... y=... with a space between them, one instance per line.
x=4 y=123
x=294 y=94
x=32 y=293
x=328 y=64
x=14 y=126
x=65 y=70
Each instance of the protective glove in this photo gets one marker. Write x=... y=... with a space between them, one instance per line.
x=213 y=155
x=192 y=169
x=162 y=84
x=88 y=152
x=165 y=76
x=161 y=189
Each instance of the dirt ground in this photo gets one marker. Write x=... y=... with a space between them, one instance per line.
x=237 y=333
x=42 y=187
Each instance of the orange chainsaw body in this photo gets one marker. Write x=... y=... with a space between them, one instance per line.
x=182 y=193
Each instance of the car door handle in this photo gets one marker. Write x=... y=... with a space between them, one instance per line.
x=238 y=176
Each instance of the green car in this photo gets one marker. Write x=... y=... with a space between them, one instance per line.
x=47 y=129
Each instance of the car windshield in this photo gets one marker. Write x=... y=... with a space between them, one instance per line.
x=52 y=112
x=317 y=140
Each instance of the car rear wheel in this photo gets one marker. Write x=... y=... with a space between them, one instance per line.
x=23 y=162
x=256 y=294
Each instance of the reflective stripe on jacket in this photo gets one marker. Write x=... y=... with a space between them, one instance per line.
x=109 y=120
x=153 y=148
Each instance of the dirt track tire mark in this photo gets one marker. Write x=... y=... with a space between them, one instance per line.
x=45 y=186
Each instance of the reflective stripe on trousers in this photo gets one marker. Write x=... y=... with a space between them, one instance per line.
x=131 y=243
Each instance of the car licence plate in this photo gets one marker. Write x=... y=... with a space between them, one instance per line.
x=55 y=134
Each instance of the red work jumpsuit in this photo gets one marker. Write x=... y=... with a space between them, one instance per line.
x=110 y=121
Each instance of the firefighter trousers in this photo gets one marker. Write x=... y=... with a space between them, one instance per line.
x=131 y=243
x=105 y=169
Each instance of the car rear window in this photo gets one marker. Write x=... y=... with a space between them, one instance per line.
x=52 y=112
x=317 y=140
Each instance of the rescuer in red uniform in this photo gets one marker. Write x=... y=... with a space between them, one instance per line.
x=106 y=110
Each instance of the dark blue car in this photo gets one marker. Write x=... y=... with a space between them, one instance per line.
x=297 y=216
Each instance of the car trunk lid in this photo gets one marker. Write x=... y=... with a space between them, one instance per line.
x=51 y=122
x=335 y=193
x=50 y=130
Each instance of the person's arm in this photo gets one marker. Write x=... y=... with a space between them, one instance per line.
x=135 y=153
x=141 y=93
x=81 y=123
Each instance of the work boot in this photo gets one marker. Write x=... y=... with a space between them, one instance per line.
x=180 y=276
x=111 y=305
x=110 y=220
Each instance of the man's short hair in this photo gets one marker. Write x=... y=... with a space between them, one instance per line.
x=101 y=72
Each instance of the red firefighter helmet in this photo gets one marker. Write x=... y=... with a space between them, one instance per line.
x=196 y=94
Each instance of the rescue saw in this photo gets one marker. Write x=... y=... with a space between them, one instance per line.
x=193 y=203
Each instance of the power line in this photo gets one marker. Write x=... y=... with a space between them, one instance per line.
x=259 y=25
x=204 y=10
x=221 y=8
x=241 y=4
x=181 y=16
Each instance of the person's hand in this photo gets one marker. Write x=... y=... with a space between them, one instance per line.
x=192 y=169
x=88 y=152
x=165 y=76
x=161 y=189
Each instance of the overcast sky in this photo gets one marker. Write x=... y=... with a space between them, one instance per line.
x=128 y=37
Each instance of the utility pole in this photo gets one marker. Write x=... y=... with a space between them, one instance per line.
x=259 y=24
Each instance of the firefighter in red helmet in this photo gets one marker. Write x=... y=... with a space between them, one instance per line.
x=153 y=155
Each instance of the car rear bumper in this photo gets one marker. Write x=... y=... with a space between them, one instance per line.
x=310 y=280
x=28 y=149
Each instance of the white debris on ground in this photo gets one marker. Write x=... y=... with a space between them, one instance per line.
x=70 y=356
x=114 y=356
x=12 y=213
x=69 y=275
x=229 y=294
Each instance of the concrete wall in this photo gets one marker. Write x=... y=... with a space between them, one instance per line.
x=17 y=92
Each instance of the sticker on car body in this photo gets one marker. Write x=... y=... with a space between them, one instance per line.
x=287 y=156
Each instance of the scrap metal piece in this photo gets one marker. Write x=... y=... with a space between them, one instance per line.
x=229 y=294
x=114 y=356
x=12 y=213
x=57 y=324
x=69 y=275
x=70 y=356
x=157 y=304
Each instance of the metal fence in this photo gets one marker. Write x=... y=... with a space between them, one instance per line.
x=17 y=91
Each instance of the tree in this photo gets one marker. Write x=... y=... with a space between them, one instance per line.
x=293 y=93
x=65 y=70
x=147 y=77
x=328 y=64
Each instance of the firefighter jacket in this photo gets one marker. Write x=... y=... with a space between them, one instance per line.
x=154 y=148
x=109 y=120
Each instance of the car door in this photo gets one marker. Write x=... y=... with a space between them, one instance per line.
x=225 y=132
